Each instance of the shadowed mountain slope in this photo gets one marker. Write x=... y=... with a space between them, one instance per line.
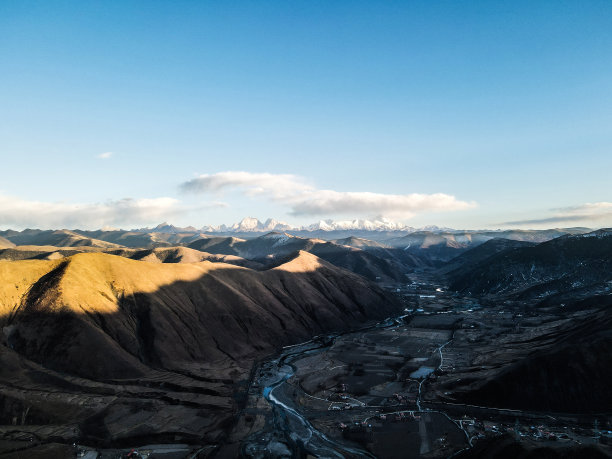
x=407 y=259
x=137 y=239
x=107 y=350
x=99 y=238
x=482 y=252
x=181 y=255
x=270 y=248
x=219 y=245
x=443 y=246
x=43 y=252
x=566 y=370
x=131 y=313
x=560 y=265
x=361 y=243
x=59 y=238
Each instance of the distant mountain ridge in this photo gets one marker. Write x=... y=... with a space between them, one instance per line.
x=274 y=246
x=382 y=225
x=254 y=225
x=566 y=264
x=343 y=228
x=374 y=253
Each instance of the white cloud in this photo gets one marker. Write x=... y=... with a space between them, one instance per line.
x=279 y=186
x=590 y=212
x=328 y=202
x=305 y=200
x=21 y=213
x=589 y=208
x=105 y=155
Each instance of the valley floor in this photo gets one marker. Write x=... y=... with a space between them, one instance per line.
x=397 y=389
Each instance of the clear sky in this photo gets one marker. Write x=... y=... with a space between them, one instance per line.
x=464 y=114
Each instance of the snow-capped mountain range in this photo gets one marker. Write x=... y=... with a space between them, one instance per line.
x=382 y=224
x=249 y=225
x=253 y=225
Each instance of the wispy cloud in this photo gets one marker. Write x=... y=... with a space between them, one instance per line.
x=304 y=199
x=105 y=155
x=588 y=212
x=329 y=202
x=21 y=213
x=589 y=208
x=278 y=186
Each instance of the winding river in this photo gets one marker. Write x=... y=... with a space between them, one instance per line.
x=297 y=430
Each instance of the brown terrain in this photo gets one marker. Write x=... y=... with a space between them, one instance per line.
x=110 y=346
x=102 y=349
x=5 y=243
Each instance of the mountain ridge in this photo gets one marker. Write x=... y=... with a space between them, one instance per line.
x=562 y=265
x=102 y=291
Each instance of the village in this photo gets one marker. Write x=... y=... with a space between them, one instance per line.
x=395 y=389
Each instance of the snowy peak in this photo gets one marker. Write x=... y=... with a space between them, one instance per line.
x=277 y=238
x=275 y=225
x=382 y=224
x=249 y=225
x=254 y=225
x=600 y=233
x=215 y=229
x=276 y=235
x=166 y=227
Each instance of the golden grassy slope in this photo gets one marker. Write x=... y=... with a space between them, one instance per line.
x=176 y=255
x=141 y=338
x=156 y=255
x=91 y=281
x=130 y=313
x=5 y=243
x=67 y=238
x=16 y=280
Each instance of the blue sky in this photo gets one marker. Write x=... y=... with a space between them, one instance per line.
x=462 y=114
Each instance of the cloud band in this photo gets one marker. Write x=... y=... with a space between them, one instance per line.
x=305 y=200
